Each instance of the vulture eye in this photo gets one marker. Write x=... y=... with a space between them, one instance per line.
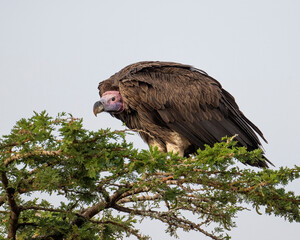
x=113 y=99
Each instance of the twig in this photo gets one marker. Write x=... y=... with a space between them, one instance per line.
x=141 y=198
x=36 y=153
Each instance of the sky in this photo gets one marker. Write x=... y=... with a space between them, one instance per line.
x=53 y=54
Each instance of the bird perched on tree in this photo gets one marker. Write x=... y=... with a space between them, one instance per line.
x=176 y=107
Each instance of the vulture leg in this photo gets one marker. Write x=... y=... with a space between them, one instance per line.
x=175 y=149
x=178 y=144
x=154 y=143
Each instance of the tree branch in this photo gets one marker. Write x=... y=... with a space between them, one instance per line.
x=34 y=153
x=126 y=228
x=168 y=217
x=14 y=209
x=138 y=199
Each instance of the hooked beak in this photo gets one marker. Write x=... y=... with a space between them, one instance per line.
x=98 y=108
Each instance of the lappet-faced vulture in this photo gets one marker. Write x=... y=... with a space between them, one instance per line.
x=176 y=107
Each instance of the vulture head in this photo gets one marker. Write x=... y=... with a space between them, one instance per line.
x=111 y=101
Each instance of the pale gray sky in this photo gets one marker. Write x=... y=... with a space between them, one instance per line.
x=53 y=53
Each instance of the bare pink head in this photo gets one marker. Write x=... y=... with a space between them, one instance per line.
x=110 y=101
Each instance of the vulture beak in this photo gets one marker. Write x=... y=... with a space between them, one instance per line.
x=98 y=108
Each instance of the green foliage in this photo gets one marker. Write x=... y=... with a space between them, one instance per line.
x=108 y=185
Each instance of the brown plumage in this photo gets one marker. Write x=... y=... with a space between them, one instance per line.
x=176 y=107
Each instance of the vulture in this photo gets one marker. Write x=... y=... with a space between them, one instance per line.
x=176 y=107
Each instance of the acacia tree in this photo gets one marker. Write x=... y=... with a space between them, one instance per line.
x=108 y=184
